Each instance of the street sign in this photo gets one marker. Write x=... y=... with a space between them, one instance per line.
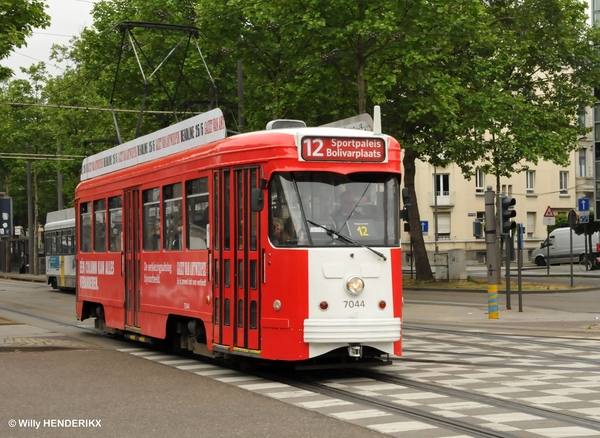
x=6 y=216
x=584 y=219
x=583 y=204
x=425 y=227
x=549 y=218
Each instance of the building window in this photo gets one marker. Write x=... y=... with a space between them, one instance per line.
x=564 y=183
x=479 y=181
x=582 y=163
x=442 y=185
x=507 y=189
x=530 y=228
x=444 y=225
x=478 y=230
x=530 y=182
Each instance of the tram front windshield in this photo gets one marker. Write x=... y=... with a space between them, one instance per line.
x=323 y=208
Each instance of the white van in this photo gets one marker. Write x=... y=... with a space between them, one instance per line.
x=559 y=247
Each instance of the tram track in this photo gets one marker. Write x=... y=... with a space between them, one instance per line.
x=320 y=383
x=331 y=388
x=484 y=399
x=501 y=362
x=455 y=425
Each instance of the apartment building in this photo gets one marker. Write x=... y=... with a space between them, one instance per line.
x=449 y=203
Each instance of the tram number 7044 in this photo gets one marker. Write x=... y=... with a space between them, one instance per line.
x=352 y=304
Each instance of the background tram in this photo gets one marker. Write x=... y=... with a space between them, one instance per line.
x=60 y=248
x=280 y=245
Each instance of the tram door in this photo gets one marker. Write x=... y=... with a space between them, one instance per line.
x=131 y=240
x=237 y=261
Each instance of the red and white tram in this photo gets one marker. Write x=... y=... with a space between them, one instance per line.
x=281 y=245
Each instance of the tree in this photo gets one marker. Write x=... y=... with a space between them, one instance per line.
x=496 y=84
x=459 y=81
x=511 y=96
x=19 y=18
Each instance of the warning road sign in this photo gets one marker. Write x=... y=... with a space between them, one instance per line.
x=549 y=218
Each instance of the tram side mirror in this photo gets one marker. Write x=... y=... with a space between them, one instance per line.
x=257 y=200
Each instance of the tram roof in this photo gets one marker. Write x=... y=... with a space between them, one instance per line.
x=197 y=133
x=60 y=219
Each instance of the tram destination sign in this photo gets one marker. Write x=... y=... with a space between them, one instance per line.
x=195 y=131
x=367 y=149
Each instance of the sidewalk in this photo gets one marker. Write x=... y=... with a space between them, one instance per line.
x=420 y=310
x=23 y=277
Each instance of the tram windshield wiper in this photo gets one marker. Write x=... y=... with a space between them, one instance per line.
x=346 y=238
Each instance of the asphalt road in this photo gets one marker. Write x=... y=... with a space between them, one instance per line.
x=52 y=369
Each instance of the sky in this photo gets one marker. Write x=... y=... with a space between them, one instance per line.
x=68 y=18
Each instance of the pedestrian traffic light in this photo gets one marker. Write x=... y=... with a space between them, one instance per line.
x=506 y=214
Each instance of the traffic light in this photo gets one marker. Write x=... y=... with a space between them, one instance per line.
x=506 y=214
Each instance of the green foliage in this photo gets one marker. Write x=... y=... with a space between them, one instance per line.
x=19 y=18
x=560 y=221
x=496 y=84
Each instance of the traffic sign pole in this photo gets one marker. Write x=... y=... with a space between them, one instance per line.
x=549 y=219
x=548 y=249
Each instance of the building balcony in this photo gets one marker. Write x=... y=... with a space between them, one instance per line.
x=444 y=199
x=584 y=184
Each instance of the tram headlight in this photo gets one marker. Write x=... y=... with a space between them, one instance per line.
x=277 y=305
x=355 y=285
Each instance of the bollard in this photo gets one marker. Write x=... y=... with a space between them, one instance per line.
x=492 y=301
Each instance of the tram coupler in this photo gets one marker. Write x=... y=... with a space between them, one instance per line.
x=355 y=350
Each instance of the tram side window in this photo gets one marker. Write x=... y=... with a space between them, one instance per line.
x=151 y=220
x=50 y=242
x=197 y=216
x=115 y=223
x=100 y=225
x=62 y=242
x=69 y=239
x=85 y=232
x=173 y=214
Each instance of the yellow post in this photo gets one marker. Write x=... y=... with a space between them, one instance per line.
x=492 y=301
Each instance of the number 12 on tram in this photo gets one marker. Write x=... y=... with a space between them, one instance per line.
x=280 y=245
